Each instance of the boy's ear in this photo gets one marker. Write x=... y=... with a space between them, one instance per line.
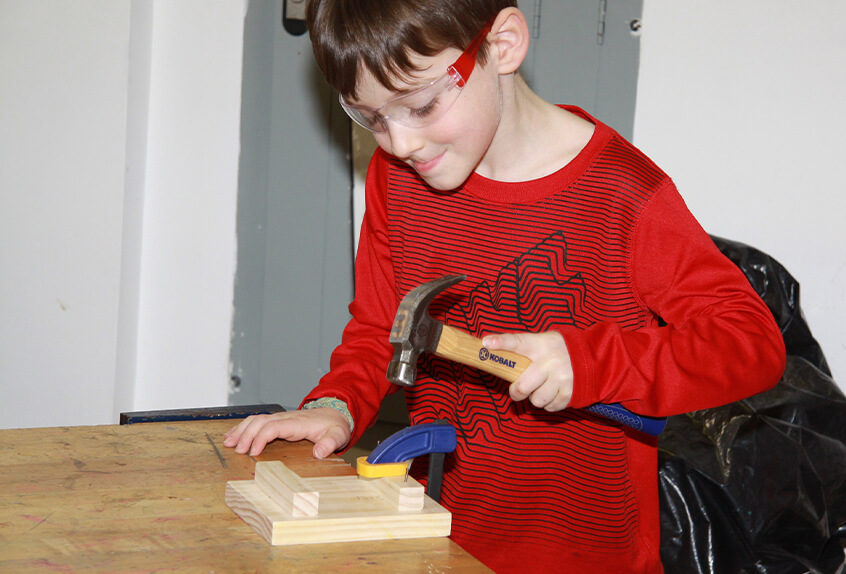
x=509 y=38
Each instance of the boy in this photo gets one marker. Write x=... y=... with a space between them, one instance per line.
x=579 y=253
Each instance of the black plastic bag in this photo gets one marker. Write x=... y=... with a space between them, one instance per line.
x=759 y=485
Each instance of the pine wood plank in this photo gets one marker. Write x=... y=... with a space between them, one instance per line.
x=286 y=489
x=350 y=508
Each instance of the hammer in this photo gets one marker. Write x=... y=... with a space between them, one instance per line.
x=415 y=331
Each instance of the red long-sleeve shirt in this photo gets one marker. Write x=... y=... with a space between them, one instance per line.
x=654 y=317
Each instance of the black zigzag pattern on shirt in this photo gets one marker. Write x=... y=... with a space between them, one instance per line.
x=534 y=293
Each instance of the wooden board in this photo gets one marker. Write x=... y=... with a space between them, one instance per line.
x=286 y=509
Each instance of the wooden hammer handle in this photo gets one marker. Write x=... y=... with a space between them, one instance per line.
x=466 y=349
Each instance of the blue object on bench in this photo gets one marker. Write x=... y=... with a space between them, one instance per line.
x=198 y=414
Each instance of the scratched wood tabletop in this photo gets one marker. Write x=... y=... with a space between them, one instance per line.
x=150 y=498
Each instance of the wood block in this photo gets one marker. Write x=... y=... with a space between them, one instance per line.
x=406 y=494
x=287 y=489
x=350 y=508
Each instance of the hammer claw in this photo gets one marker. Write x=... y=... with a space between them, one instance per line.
x=414 y=331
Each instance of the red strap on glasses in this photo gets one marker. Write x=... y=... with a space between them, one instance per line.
x=463 y=66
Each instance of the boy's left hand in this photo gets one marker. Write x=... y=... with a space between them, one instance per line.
x=548 y=381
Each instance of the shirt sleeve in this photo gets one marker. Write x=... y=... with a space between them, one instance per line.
x=719 y=342
x=357 y=367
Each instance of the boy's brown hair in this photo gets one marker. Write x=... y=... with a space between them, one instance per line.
x=379 y=35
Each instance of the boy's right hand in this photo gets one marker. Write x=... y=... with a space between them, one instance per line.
x=327 y=428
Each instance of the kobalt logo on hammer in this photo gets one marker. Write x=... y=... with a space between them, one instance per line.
x=485 y=355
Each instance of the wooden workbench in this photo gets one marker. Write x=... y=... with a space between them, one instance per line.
x=150 y=498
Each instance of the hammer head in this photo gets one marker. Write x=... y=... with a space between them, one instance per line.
x=414 y=331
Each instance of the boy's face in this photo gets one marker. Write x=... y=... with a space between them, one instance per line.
x=446 y=151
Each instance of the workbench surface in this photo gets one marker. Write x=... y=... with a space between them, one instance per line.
x=150 y=498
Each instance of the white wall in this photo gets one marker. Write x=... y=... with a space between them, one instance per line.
x=118 y=183
x=743 y=104
x=63 y=70
x=189 y=241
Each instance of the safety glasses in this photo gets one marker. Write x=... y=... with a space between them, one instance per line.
x=423 y=105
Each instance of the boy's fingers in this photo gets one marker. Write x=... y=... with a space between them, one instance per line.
x=503 y=342
x=256 y=432
x=273 y=428
x=230 y=437
x=324 y=447
x=559 y=403
x=242 y=435
x=331 y=440
x=528 y=344
x=257 y=446
x=545 y=385
x=515 y=393
x=544 y=395
x=548 y=396
x=523 y=387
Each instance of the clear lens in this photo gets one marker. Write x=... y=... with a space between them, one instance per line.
x=415 y=109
